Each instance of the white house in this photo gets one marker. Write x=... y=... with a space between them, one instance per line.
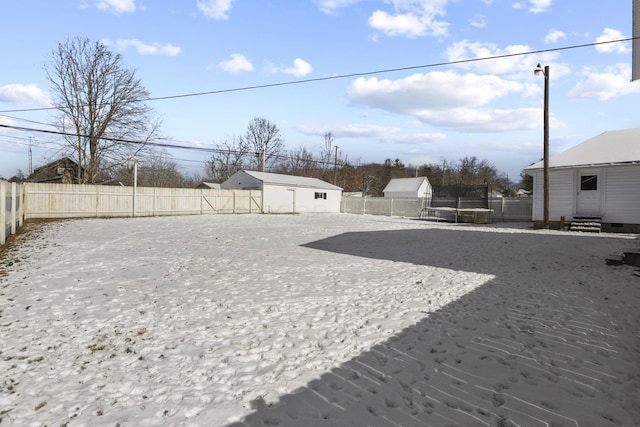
x=287 y=193
x=408 y=188
x=598 y=179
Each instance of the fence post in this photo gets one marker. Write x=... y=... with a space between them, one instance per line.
x=21 y=212
x=486 y=195
x=14 y=199
x=3 y=212
x=364 y=206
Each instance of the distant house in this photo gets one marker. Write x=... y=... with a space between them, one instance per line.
x=64 y=171
x=408 y=188
x=598 y=180
x=208 y=185
x=287 y=193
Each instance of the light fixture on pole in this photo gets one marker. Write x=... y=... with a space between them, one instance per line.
x=545 y=72
x=132 y=164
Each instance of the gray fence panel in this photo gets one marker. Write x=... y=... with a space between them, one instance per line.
x=504 y=209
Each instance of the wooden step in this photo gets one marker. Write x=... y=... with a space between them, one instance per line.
x=588 y=224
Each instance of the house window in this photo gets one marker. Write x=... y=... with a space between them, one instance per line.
x=321 y=195
x=588 y=182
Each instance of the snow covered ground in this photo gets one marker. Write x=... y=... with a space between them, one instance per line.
x=316 y=320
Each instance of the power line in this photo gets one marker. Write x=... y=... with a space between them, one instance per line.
x=351 y=75
x=158 y=144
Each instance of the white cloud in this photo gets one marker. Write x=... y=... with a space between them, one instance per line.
x=613 y=81
x=466 y=50
x=412 y=18
x=479 y=21
x=540 y=6
x=481 y=120
x=216 y=9
x=446 y=99
x=117 y=6
x=553 y=36
x=536 y=6
x=351 y=131
x=382 y=133
x=608 y=35
x=237 y=63
x=416 y=138
x=143 y=48
x=300 y=68
x=331 y=6
x=438 y=90
x=507 y=61
x=24 y=95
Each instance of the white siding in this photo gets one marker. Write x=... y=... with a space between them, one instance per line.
x=622 y=195
x=561 y=194
x=279 y=199
x=289 y=199
x=424 y=191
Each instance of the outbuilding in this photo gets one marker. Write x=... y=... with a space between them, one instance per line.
x=288 y=193
x=594 y=185
x=408 y=188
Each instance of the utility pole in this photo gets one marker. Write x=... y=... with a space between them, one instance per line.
x=545 y=172
x=263 y=157
x=30 y=159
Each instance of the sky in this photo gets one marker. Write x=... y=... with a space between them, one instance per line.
x=390 y=79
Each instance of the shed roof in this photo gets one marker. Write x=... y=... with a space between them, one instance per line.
x=297 y=181
x=608 y=148
x=205 y=184
x=405 y=184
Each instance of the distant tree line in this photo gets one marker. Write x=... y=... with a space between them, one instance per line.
x=261 y=148
x=101 y=111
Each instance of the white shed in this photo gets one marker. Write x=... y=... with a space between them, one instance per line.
x=408 y=188
x=599 y=179
x=288 y=193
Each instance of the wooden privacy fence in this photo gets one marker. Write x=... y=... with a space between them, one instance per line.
x=11 y=209
x=81 y=200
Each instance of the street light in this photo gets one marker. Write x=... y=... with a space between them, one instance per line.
x=545 y=73
x=132 y=164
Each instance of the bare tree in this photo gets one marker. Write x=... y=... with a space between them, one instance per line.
x=160 y=170
x=300 y=161
x=327 y=154
x=264 y=139
x=99 y=104
x=230 y=156
x=156 y=169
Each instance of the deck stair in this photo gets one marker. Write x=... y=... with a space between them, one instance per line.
x=590 y=224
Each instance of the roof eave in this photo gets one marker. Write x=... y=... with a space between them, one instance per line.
x=584 y=165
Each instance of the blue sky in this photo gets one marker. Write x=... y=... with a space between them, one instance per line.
x=490 y=109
